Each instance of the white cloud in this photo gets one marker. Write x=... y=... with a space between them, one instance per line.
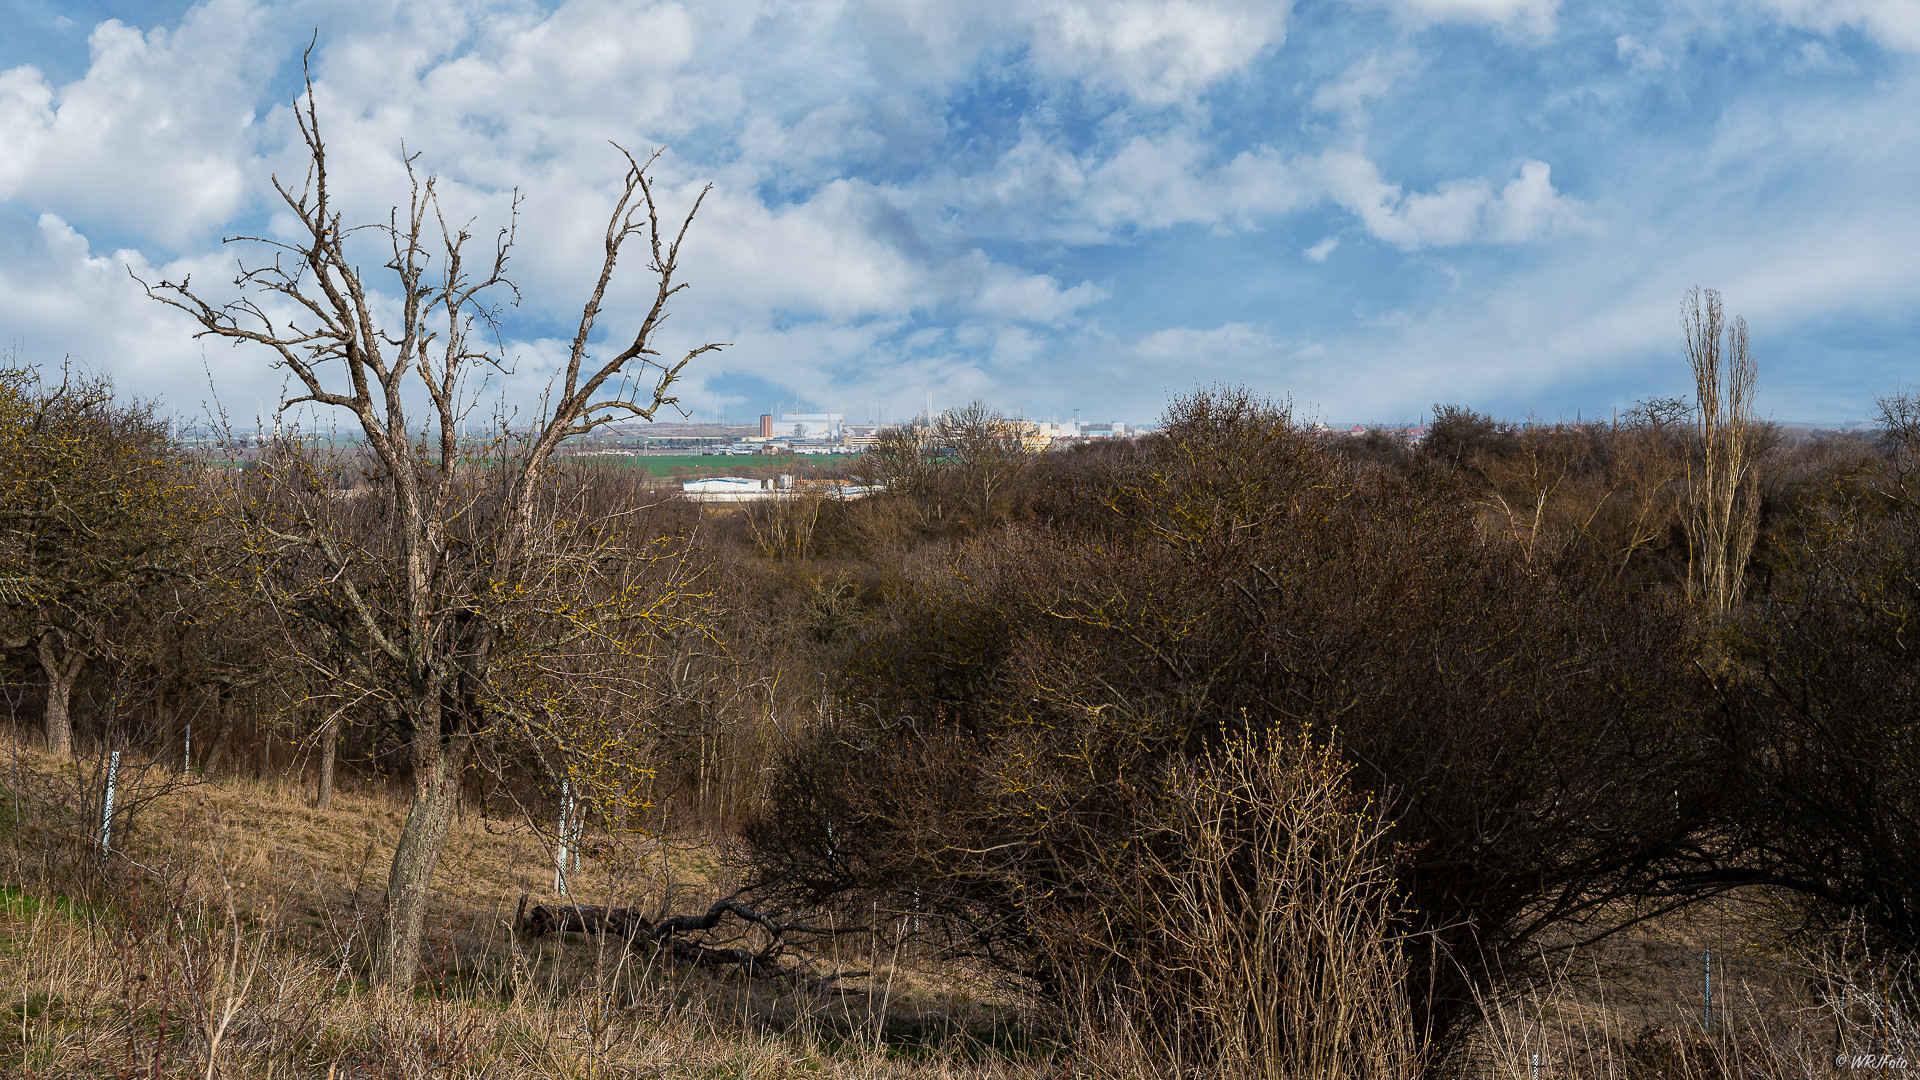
x=915 y=194
x=26 y=125
x=1005 y=292
x=1529 y=207
x=1893 y=23
x=1145 y=182
x=1159 y=52
x=822 y=256
x=1186 y=346
x=1639 y=55
x=57 y=298
x=1360 y=83
x=1170 y=180
x=1160 y=182
x=1182 y=359
x=1529 y=16
x=541 y=80
x=1177 y=359
x=1456 y=211
x=154 y=139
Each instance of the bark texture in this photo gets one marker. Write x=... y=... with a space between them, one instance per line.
x=436 y=794
x=62 y=662
x=224 y=736
x=329 y=752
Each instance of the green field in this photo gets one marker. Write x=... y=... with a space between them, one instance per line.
x=662 y=464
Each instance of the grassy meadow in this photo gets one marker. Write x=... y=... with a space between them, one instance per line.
x=226 y=933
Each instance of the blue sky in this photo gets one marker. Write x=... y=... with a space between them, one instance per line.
x=1366 y=205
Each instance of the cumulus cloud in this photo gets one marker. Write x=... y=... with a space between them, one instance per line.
x=1045 y=202
x=1455 y=212
x=527 y=85
x=823 y=256
x=155 y=139
x=1161 y=182
x=59 y=298
x=1153 y=183
x=1158 y=51
x=1002 y=291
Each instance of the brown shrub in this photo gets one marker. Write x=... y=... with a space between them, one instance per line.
x=1533 y=731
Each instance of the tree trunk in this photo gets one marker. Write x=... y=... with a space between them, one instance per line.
x=438 y=765
x=162 y=720
x=329 y=748
x=59 y=722
x=62 y=673
x=223 y=712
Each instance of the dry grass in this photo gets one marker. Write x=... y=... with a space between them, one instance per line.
x=90 y=1000
x=229 y=938
x=1639 y=1006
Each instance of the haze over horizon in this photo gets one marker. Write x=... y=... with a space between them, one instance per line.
x=1367 y=206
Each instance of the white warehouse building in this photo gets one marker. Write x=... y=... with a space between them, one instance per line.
x=809 y=425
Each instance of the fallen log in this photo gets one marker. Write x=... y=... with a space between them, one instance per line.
x=663 y=934
x=580 y=919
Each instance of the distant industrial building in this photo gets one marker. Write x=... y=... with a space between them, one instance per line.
x=830 y=431
x=738 y=489
x=799 y=425
x=732 y=488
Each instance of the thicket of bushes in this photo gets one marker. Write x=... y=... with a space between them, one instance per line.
x=1159 y=730
x=1495 y=632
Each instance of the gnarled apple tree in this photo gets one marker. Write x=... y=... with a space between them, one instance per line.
x=467 y=527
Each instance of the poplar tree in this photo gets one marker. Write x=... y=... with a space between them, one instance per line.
x=1723 y=502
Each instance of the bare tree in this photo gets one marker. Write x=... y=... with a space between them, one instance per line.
x=346 y=352
x=1723 y=503
x=987 y=457
x=1898 y=415
x=961 y=468
x=903 y=459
